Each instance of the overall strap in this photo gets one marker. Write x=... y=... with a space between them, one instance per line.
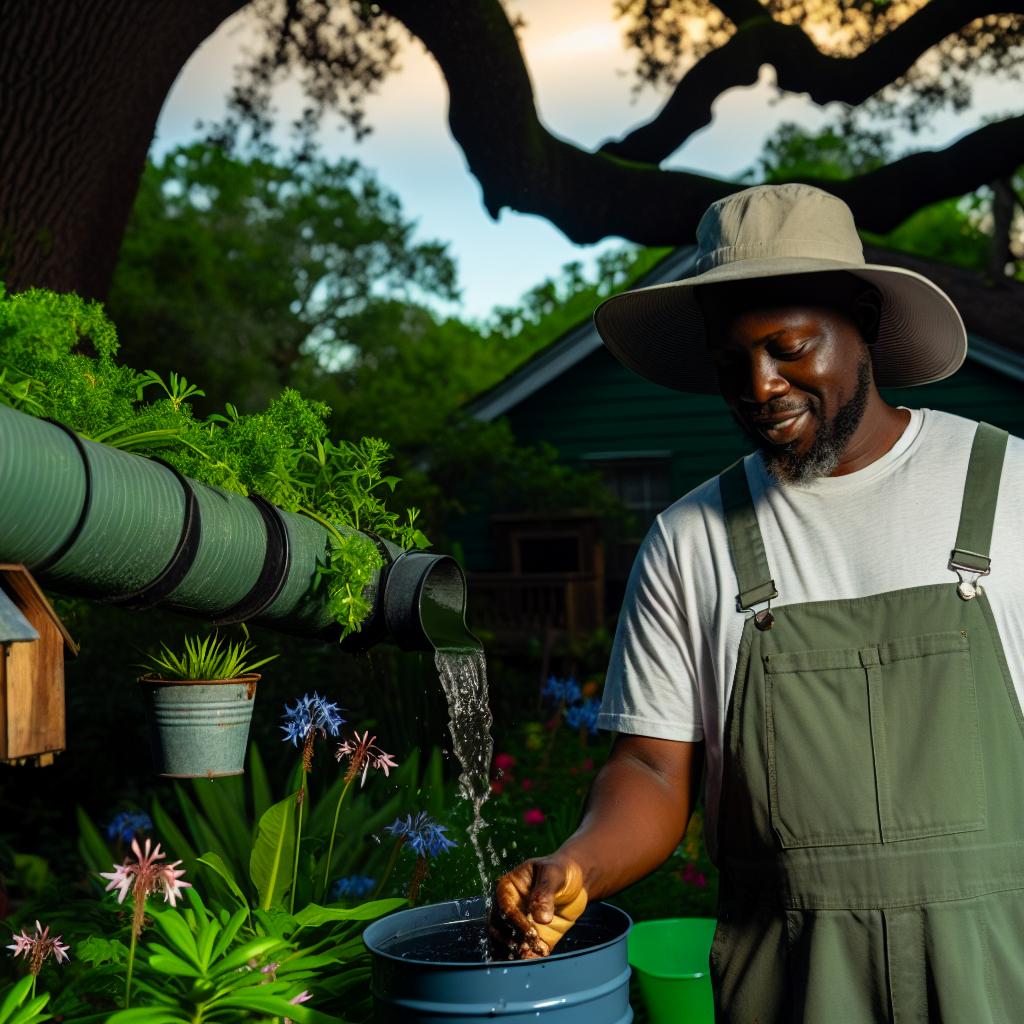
x=978 y=512
x=745 y=542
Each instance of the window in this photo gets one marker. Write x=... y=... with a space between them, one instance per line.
x=642 y=481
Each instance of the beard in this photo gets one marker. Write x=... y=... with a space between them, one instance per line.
x=830 y=441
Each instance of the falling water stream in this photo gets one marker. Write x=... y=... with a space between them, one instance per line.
x=464 y=681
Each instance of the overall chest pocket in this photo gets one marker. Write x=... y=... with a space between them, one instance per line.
x=874 y=744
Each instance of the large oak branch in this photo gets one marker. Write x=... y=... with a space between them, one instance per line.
x=799 y=67
x=590 y=196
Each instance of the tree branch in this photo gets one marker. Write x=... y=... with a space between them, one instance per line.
x=882 y=199
x=740 y=11
x=799 y=67
x=590 y=196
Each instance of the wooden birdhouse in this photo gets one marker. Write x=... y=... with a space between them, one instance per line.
x=32 y=645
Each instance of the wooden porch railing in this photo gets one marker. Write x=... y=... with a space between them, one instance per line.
x=514 y=606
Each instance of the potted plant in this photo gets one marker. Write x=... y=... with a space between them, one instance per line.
x=199 y=702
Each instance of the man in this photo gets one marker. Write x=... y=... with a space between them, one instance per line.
x=811 y=629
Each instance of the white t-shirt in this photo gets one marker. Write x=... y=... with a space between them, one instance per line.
x=886 y=527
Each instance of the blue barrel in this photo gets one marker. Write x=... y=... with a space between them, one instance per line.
x=586 y=981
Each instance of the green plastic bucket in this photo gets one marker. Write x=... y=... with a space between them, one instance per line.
x=670 y=958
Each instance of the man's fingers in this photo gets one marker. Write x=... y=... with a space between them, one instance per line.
x=509 y=901
x=548 y=879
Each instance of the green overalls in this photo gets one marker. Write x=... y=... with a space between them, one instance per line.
x=871 y=836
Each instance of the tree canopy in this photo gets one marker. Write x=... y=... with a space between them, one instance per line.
x=250 y=274
x=255 y=270
x=67 y=191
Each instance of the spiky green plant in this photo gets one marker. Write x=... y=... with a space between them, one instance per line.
x=209 y=657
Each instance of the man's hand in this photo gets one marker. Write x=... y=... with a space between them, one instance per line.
x=535 y=904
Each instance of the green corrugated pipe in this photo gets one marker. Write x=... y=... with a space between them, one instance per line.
x=98 y=522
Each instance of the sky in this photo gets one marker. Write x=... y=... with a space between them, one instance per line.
x=582 y=78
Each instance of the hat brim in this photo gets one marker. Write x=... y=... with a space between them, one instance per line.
x=659 y=332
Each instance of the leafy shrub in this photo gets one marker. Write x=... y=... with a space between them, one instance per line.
x=282 y=453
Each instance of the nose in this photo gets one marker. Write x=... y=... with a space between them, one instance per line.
x=762 y=379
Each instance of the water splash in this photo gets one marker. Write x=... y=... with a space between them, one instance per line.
x=463 y=677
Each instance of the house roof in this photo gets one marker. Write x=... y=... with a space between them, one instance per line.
x=13 y=625
x=16 y=581
x=992 y=313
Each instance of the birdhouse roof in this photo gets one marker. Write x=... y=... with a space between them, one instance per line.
x=13 y=625
x=16 y=582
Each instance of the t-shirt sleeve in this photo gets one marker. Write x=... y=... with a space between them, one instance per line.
x=651 y=687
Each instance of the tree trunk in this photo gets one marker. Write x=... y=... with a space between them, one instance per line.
x=1004 y=200
x=81 y=87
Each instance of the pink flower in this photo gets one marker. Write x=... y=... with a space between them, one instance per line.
x=534 y=816
x=504 y=762
x=144 y=876
x=694 y=877
x=362 y=753
x=497 y=788
x=302 y=997
x=526 y=784
x=36 y=948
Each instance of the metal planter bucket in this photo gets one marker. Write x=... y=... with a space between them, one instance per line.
x=586 y=981
x=199 y=728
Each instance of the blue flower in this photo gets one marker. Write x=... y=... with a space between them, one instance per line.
x=129 y=824
x=424 y=836
x=311 y=713
x=561 y=690
x=584 y=716
x=353 y=887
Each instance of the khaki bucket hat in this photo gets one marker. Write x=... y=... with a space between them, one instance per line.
x=768 y=231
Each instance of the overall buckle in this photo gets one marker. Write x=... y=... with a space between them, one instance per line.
x=968 y=575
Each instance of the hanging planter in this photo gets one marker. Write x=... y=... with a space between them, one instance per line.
x=199 y=728
x=199 y=707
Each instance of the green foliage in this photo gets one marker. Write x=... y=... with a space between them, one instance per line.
x=233 y=952
x=282 y=453
x=951 y=231
x=836 y=152
x=20 y=1005
x=215 y=279
x=272 y=853
x=210 y=657
x=560 y=303
x=266 y=271
x=211 y=965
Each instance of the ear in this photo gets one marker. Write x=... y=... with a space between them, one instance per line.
x=867 y=312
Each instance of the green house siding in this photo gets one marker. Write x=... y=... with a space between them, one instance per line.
x=601 y=407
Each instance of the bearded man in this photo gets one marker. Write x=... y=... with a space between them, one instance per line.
x=809 y=631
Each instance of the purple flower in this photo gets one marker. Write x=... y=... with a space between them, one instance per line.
x=353 y=887
x=129 y=824
x=311 y=714
x=560 y=691
x=584 y=716
x=425 y=837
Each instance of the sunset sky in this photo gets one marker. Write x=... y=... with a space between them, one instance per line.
x=582 y=80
